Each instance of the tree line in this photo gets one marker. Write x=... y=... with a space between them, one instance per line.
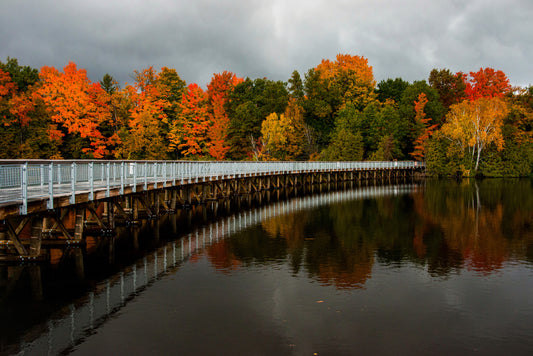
x=460 y=123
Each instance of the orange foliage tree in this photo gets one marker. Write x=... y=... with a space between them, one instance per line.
x=352 y=76
x=189 y=133
x=143 y=138
x=218 y=90
x=6 y=84
x=425 y=130
x=76 y=106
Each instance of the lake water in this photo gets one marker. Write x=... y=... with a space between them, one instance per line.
x=436 y=267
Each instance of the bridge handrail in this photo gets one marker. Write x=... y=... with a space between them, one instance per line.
x=21 y=180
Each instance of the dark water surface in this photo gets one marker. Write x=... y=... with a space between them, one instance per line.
x=429 y=268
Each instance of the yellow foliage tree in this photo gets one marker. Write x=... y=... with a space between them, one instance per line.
x=473 y=125
x=283 y=136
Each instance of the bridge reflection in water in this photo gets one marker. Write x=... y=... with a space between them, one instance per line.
x=73 y=323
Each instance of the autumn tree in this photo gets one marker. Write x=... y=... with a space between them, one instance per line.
x=486 y=83
x=24 y=119
x=423 y=127
x=478 y=128
x=7 y=89
x=283 y=135
x=189 y=133
x=517 y=157
x=406 y=107
x=473 y=125
x=77 y=108
x=218 y=91
x=332 y=84
x=143 y=136
x=352 y=76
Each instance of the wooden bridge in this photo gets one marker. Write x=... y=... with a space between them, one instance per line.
x=51 y=202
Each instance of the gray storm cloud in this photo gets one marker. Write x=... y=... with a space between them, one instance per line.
x=269 y=38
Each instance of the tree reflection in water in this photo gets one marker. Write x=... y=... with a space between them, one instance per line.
x=445 y=226
x=340 y=239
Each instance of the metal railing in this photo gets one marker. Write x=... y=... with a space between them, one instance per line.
x=23 y=181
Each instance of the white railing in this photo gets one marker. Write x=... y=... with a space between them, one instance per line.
x=21 y=181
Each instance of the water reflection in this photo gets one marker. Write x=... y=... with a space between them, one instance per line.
x=338 y=239
x=442 y=226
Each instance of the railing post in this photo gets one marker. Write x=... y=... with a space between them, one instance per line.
x=164 y=174
x=73 y=177
x=145 y=175
x=134 y=188
x=108 y=178
x=155 y=175
x=122 y=172
x=50 y=203
x=42 y=175
x=59 y=178
x=91 y=181
x=173 y=173
x=24 y=188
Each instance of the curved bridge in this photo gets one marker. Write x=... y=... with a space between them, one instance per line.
x=58 y=197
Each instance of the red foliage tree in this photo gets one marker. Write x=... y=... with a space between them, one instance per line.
x=486 y=83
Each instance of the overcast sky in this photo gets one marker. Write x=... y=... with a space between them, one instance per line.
x=271 y=38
